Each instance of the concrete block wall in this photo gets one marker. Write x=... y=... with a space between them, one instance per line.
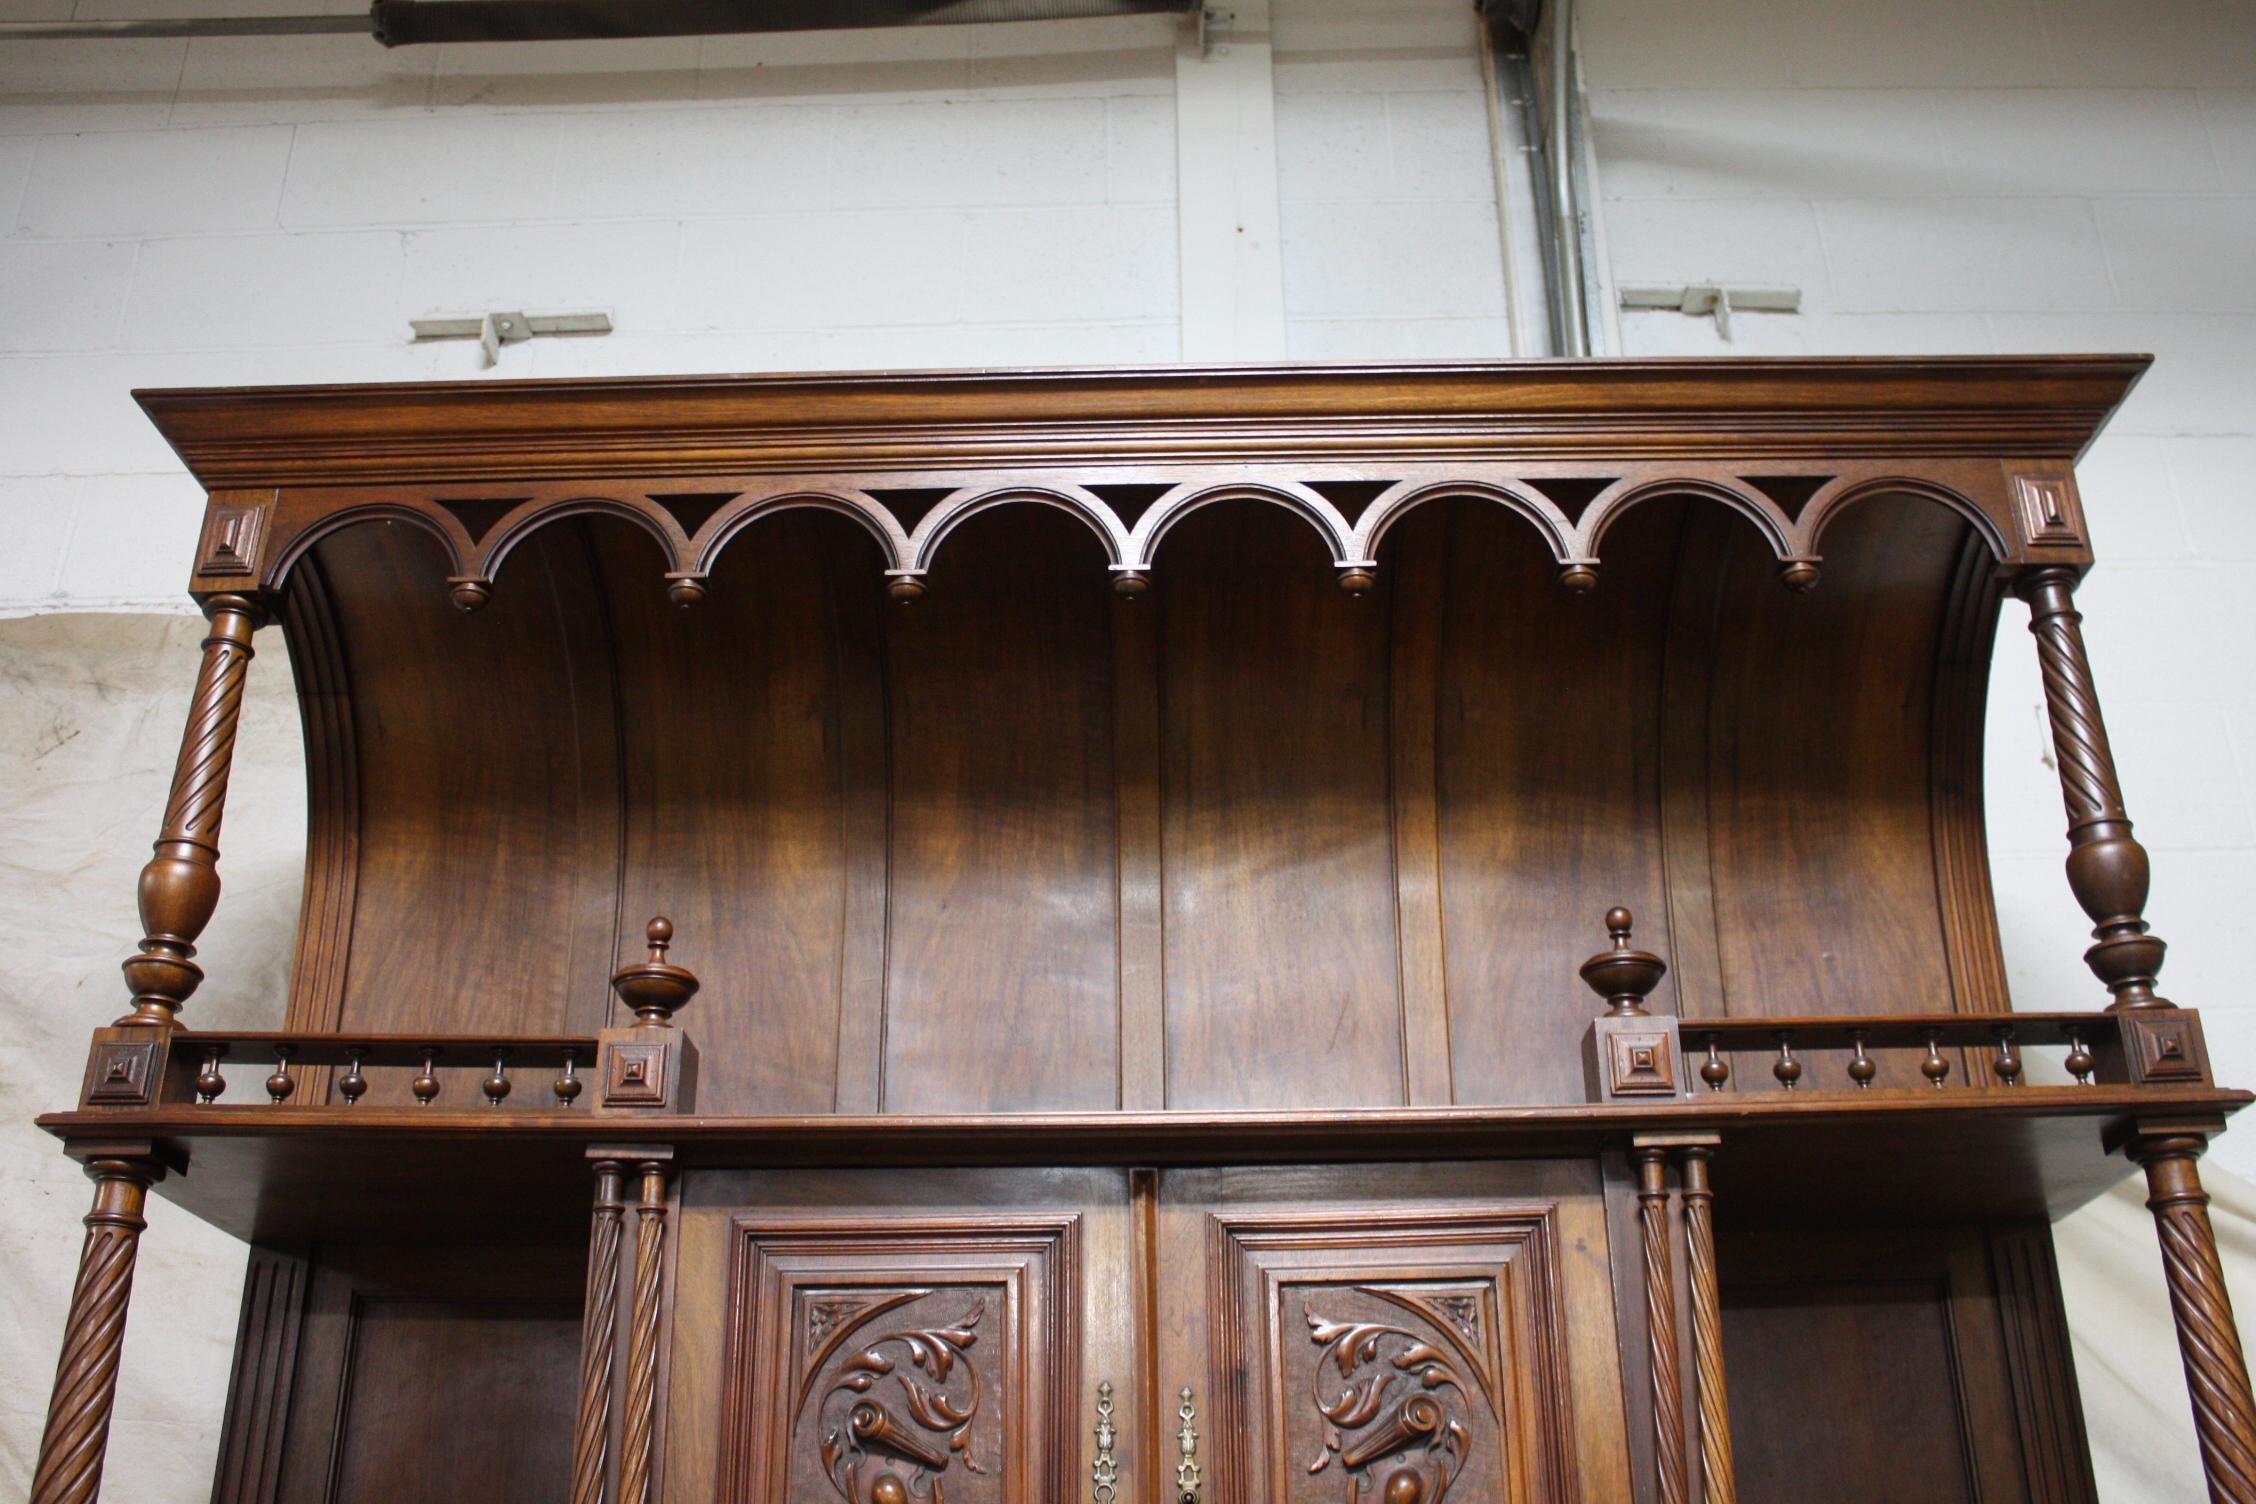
x=2010 y=176
x=1387 y=184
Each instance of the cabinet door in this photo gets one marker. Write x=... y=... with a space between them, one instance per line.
x=1392 y=1334
x=889 y=1337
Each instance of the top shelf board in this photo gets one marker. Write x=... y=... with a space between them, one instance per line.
x=2032 y=407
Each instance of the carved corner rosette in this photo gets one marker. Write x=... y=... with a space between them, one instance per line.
x=902 y=1412
x=1390 y=1416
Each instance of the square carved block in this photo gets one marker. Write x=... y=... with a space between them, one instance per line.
x=2166 y=1049
x=1633 y=1058
x=122 y=1073
x=878 y=1358
x=634 y=1073
x=1390 y=1355
x=1643 y=1063
x=230 y=542
x=2048 y=510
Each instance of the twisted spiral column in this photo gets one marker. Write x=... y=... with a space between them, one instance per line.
x=1660 y=1322
x=180 y=885
x=599 y=1324
x=2107 y=867
x=638 y=1451
x=1716 y=1473
x=2224 y=1413
x=78 y=1413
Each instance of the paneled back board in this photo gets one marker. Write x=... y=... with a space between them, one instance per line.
x=828 y=671
x=901 y=843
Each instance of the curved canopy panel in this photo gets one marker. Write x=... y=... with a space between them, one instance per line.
x=969 y=796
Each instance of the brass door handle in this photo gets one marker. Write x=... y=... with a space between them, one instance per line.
x=1106 y=1472
x=1187 y=1470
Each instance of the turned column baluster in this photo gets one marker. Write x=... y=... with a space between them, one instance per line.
x=1936 y=1067
x=180 y=884
x=1660 y=1321
x=1862 y=1068
x=1718 y=1481
x=352 y=1085
x=78 y=1412
x=1715 y=1070
x=209 y=1082
x=497 y=1086
x=281 y=1086
x=2007 y=1066
x=1786 y=1067
x=425 y=1086
x=2224 y=1413
x=638 y=1459
x=599 y=1322
x=2107 y=867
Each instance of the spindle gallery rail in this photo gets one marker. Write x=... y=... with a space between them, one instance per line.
x=1635 y=1053
x=1991 y=1045
x=200 y=1069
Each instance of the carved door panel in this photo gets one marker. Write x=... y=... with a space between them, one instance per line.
x=897 y=1335
x=882 y=1359
x=1360 y=1348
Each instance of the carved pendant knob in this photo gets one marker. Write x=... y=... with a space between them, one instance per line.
x=655 y=987
x=1623 y=976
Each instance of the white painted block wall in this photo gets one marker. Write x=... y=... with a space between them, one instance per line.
x=2014 y=176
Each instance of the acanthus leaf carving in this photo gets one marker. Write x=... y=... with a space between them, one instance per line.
x=880 y=1446
x=1391 y=1405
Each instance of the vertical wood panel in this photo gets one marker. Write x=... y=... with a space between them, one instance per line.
x=1820 y=801
x=416 y=1367
x=734 y=714
x=489 y=810
x=865 y=841
x=1414 y=677
x=1003 y=965
x=399 y=1345
x=1886 y=1346
x=258 y=1389
x=1550 y=810
x=1281 y=960
x=1962 y=848
x=1136 y=756
x=1687 y=688
x=2047 y=1407
x=317 y=663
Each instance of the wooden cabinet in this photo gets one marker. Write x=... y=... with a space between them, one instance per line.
x=1400 y=1332
x=878 y=1337
x=880 y=906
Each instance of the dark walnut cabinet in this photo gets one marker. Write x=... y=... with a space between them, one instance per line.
x=1191 y=936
